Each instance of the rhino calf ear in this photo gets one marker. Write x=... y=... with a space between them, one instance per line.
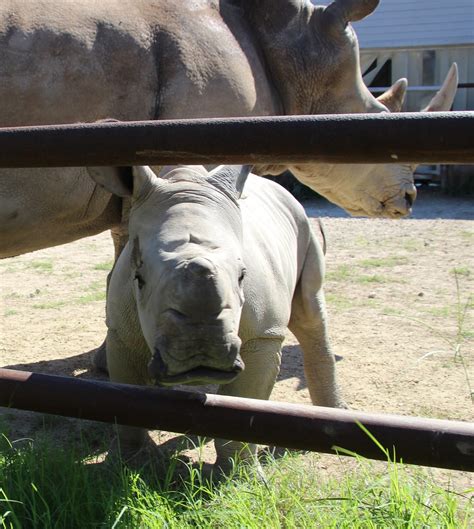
x=143 y=178
x=231 y=178
x=117 y=180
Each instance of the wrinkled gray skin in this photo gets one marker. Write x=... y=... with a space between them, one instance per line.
x=209 y=284
x=66 y=61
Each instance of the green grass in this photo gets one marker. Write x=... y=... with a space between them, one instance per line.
x=410 y=245
x=45 y=486
x=90 y=298
x=390 y=311
x=107 y=266
x=373 y=279
x=41 y=266
x=362 y=242
x=340 y=273
x=462 y=271
x=10 y=312
x=338 y=301
x=468 y=235
x=387 y=262
x=353 y=273
x=96 y=291
x=441 y=312
x=50 y=305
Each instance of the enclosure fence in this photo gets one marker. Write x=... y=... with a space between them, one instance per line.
x=364 y=138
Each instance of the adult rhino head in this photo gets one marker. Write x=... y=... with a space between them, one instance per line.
x=375 y=189
x=312 y=55
x=184 y=260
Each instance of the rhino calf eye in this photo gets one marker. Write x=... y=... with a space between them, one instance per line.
x=242 y=275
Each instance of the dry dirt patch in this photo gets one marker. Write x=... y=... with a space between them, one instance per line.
x=396 y=290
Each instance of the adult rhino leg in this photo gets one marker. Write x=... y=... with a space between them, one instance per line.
x=119 y=238
x=308 y=323
x=262 y=358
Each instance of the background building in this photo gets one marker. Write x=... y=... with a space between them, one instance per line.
x=419 y=40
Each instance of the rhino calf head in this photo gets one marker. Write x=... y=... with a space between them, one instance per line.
x=184 y=259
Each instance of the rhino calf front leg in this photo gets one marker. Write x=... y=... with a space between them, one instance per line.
x=262 y=358
x=124 y=369
x=119 y=236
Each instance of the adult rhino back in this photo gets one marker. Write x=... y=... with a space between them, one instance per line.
x=75 y=61
x=71 y=61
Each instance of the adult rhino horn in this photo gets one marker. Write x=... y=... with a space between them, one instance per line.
x=443 y=100
x=345 y=11
x=230 y=178
x=393 y=98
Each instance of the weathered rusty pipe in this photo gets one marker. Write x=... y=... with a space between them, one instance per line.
x=430 y=442
x=352 y=138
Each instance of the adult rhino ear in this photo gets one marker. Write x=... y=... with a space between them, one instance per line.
x=443 y=100
x=393 y=98
x=340 y=12
x=123 y=181
x=230 y=178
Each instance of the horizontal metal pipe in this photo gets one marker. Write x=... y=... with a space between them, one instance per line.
x=430 y=442
x=446 y=137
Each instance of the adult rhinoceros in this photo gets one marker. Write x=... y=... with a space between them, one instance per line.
x=81 y=60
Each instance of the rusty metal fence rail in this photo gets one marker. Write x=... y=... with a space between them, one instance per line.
x=430 y=442
x=445 y=137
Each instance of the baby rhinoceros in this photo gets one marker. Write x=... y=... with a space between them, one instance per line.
x=218 y=266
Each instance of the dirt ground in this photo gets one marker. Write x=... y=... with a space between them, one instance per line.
x=396 y=290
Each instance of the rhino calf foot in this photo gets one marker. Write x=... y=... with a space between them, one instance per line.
x=131 y=453
x=225 y=467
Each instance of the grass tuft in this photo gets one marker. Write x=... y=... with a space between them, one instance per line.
x=41 y=266
x=44 y=486
x=106 y=266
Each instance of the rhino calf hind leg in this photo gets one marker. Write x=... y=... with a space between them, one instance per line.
x=262 y=358
x=309 y=324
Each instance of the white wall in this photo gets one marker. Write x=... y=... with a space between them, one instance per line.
x=424 y=23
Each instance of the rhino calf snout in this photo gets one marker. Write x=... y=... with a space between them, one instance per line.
x=159 y=370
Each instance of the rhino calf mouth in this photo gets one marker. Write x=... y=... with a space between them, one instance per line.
x=158 y=370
